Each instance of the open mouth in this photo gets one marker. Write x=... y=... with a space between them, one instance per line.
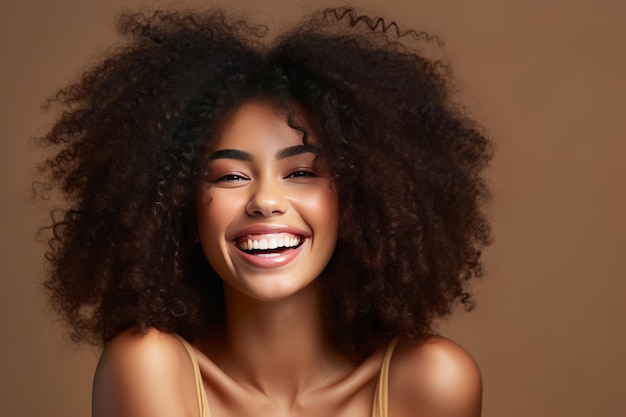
x=269 y=245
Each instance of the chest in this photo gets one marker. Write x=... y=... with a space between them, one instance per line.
x=339 y=402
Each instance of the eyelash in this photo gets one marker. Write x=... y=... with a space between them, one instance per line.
x=231 y=177
x=301 y=173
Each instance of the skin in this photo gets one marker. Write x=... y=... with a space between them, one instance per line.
x=271 y=358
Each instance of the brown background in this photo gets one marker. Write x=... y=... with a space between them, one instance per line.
x=546 y=77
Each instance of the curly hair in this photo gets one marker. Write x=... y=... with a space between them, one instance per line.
x=129 y=149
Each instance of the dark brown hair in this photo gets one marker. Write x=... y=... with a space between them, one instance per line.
x=129 y=148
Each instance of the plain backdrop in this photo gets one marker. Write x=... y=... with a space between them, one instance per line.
x=548 y=80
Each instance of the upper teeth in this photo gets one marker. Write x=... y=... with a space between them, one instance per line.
x=270 y=243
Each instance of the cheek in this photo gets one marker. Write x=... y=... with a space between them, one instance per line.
x=212 y=220
x=209 y=212
x=327 y=210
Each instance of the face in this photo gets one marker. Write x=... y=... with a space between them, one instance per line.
x=267 y=215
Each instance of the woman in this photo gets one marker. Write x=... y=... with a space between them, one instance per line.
x=268 y=229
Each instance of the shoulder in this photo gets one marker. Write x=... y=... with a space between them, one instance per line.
x=144 y=374
x=437 y=378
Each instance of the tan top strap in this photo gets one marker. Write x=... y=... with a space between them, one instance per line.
x=203 y=404
x=380 y=405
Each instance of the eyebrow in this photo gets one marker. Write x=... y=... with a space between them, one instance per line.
x=295 y=150
x=245 y=156
x=231 y=154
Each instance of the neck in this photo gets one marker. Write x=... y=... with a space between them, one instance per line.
x=279 y=347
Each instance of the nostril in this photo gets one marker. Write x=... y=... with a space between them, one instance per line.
x=266 y=205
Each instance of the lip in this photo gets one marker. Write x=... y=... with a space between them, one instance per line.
x=283 y=258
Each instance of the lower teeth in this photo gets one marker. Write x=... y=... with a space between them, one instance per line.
x=268 y=255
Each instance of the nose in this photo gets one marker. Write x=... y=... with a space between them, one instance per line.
x=267 y=199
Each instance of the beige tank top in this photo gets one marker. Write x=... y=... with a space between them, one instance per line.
x=379 y=406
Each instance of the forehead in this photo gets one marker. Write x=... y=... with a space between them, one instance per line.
x=258 y=125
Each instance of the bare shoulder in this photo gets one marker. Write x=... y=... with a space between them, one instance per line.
x=144 y=374
x=437 y=378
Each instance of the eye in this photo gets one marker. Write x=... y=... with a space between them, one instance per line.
x=231 y=178
x=301 y=173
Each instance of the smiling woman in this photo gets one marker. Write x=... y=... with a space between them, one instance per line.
x=267 y=214
x=262 y=229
